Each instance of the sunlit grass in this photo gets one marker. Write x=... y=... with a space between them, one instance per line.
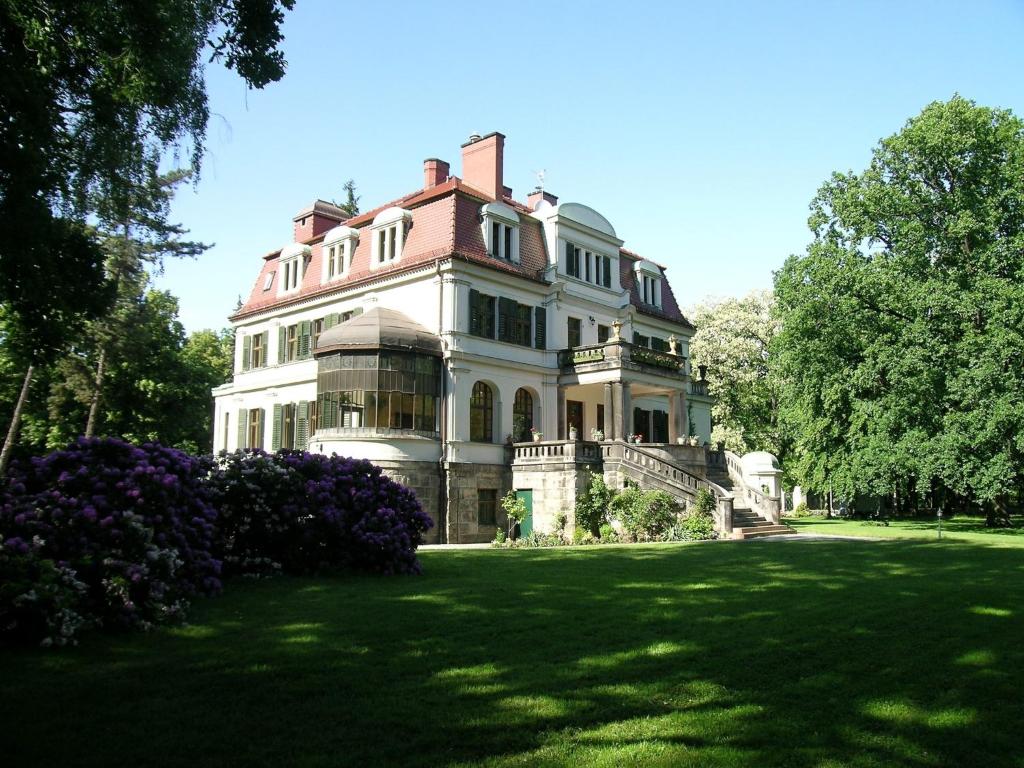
x=806 y=654
x=967 y=529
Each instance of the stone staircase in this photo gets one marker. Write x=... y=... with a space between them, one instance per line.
x=746 y=523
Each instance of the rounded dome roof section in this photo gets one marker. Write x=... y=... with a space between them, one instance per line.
x=379 y=328
x=391 y=215
x=585 y=215
x=293 y=250
x=759 y=462
x=340 y=232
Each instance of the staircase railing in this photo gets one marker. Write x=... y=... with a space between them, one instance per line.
x=769 y=507
x=639 y=459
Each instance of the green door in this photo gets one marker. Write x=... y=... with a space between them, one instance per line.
x=527 y=525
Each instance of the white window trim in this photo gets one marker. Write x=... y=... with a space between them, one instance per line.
x=506 y=216
x=388 y=231
x=595 y=258
x=649 y=283
x=292 y=268
x=340 y=242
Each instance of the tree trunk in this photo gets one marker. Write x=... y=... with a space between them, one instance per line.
x=12 y=433
x=94 y=401
x=998 y=513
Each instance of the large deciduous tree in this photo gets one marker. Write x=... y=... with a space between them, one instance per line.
x=733 y=339
x=902 y=342
x=93 y=93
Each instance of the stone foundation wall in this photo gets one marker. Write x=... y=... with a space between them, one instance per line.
x=464 y=480
x=555 y=490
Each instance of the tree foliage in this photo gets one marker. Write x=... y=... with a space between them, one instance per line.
x=902 y=343
x=93 y=94
x=734 y=338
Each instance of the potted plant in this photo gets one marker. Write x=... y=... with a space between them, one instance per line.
x=596 y=435
x=537 y=434
x=573 y=434
x=637 y=438
x=694 y=440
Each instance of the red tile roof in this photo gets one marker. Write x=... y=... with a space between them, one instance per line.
x=445 y=225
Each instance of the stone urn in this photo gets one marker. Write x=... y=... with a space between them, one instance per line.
x=573 y=434
x=537 y=437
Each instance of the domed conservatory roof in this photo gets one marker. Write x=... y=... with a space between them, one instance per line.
x=379 y=328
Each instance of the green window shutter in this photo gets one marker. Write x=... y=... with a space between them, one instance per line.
x=506 y=319
x=474 y=312
x=540 y=327
x=275 y=434
x=242 y=426
x=263 y=426
x=246 y=351
x=282 y=340
x=302 y=425
x=331 y=320
x=570 y=251
x=357 y=311
x=265 y=347
x=305 y=339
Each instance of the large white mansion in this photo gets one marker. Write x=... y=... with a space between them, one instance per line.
x=433 y=335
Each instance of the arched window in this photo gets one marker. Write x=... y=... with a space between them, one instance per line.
x=481 y=414
x=522 y=416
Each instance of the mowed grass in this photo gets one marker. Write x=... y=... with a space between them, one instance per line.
x=795 y=653
x=962 y=528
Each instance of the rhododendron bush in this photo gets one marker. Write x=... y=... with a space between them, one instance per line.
x=116 y=535
x=299 y=512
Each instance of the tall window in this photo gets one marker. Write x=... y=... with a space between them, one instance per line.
x=481 y=414
x=575 y=331
x=255 y=437
x=522 y=416
x=486 y=505
x=254 y=350
x=572 y=260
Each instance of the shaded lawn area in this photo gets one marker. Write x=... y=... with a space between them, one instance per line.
x=961 y=528
x=796 y=653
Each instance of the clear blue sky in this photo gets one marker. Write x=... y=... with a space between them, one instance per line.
x=700 y=130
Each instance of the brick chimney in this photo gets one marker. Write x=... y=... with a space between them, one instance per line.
x=434 y=172
x=316 y=219
x=483 y=164
x=538 y=196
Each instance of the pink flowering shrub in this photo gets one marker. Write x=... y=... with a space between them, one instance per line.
x=299 y=512
x=132 y=524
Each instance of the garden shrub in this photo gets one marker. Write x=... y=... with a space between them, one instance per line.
x=704 y=503
x=113 y=534
x=593 y=504
x=608 y=533
x=299 y=512
x=801 y=510
x=645 y=515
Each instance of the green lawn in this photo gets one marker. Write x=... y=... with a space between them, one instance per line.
x=964 y=529
x=795 y=653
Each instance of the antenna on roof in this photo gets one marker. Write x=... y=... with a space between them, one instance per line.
x=540 y=178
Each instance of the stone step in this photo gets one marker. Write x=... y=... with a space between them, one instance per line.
x=752 y=522
x=761 y=532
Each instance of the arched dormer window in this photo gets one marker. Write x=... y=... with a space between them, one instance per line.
x=501 y=231
x=388 y=236
x=293 y=261
x=338 y=247
x=648 y=282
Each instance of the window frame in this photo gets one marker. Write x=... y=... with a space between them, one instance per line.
x=481 y=401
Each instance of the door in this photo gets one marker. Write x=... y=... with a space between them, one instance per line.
x=526 y=527
x=574 y=417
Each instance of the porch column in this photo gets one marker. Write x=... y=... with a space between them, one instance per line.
x=609 y=409
x=560 y=404
x=623 y=421
x=673 y=417
x=684 y=417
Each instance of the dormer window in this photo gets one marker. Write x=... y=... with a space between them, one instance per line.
x=337 y=250
x=648 y=282
x=501 y=231
x=293 y=261
x=388 y=232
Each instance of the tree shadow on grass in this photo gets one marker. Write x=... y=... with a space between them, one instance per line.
x=808 y=654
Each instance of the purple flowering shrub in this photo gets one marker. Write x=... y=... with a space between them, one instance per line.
x=299 y=512
x=133 y=525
